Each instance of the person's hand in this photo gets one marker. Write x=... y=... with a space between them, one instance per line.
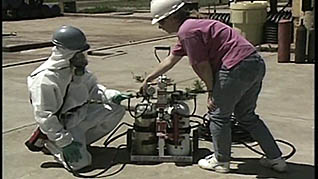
x=120 y=97
x=72 y=152
x=210 y=104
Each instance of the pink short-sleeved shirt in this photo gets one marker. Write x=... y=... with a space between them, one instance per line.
x=210 y=40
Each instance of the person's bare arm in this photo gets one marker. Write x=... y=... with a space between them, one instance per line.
x=163 y=67
x=205 y=73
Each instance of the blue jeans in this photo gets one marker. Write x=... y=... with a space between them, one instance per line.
x=236 y=91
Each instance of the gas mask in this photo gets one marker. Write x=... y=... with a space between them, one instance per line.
x=78 y=63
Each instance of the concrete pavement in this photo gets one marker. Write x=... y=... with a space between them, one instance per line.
x=286 y=104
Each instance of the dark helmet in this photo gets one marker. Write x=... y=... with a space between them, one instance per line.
x=71 y=38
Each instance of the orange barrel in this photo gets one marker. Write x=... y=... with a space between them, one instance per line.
x=284 y=40
x=300 y=44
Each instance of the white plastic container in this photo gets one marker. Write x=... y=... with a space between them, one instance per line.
x=249 y=18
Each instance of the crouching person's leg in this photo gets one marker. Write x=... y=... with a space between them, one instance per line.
x=59 y=154
x=103 y=122
x=107 y=121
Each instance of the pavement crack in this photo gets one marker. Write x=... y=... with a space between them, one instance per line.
x=18 y=128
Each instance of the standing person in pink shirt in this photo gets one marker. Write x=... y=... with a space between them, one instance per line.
x=232 y=71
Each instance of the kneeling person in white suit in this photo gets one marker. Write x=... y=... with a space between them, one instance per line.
x=63 y=95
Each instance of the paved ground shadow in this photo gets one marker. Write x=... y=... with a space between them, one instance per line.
x=251 y=166
x=104 y=158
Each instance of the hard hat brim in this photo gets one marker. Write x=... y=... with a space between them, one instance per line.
x=86 y=47
x=155 y=20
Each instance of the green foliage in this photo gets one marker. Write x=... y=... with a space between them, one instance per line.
x=197 y=86
x=139 y=78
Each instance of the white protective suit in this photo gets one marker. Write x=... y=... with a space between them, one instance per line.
x=78 y=120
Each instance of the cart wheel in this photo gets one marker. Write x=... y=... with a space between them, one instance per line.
x=195 y=146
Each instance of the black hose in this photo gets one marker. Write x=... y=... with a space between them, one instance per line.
x=115 y=130
x=114 y=138
x=195 y=105
x=286 y=157
x=77 y=174
x=192 y=115
x=132 y=115
x=107 y=141
x=157 y=57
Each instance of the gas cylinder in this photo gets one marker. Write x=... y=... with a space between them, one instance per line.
x=311 y=46
x=144 y=143
x=178 y=142
x=284 y=40
x=300 y=46
x=143 y=137
x=146 y=115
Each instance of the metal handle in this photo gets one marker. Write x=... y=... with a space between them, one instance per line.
x=156 y=48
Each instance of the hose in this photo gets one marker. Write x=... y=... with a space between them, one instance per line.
x=114 y=131
x=107 y=141
x=205 y=120
x=77 y=174
x=286 y=157
x=195 y=105
x=131 y=114
x=192 y=115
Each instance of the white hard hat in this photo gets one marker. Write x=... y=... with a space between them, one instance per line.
x=161 y=9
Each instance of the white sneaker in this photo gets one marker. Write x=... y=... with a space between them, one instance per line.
x=277 y=164
x=211 y=163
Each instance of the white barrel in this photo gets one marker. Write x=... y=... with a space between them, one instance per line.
x=248 y=18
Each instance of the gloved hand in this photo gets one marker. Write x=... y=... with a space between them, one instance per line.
x=72 y=152
x=120 y=97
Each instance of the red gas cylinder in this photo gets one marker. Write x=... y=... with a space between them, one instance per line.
x=300 y=44
x=311 y=46
x=284 y=40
